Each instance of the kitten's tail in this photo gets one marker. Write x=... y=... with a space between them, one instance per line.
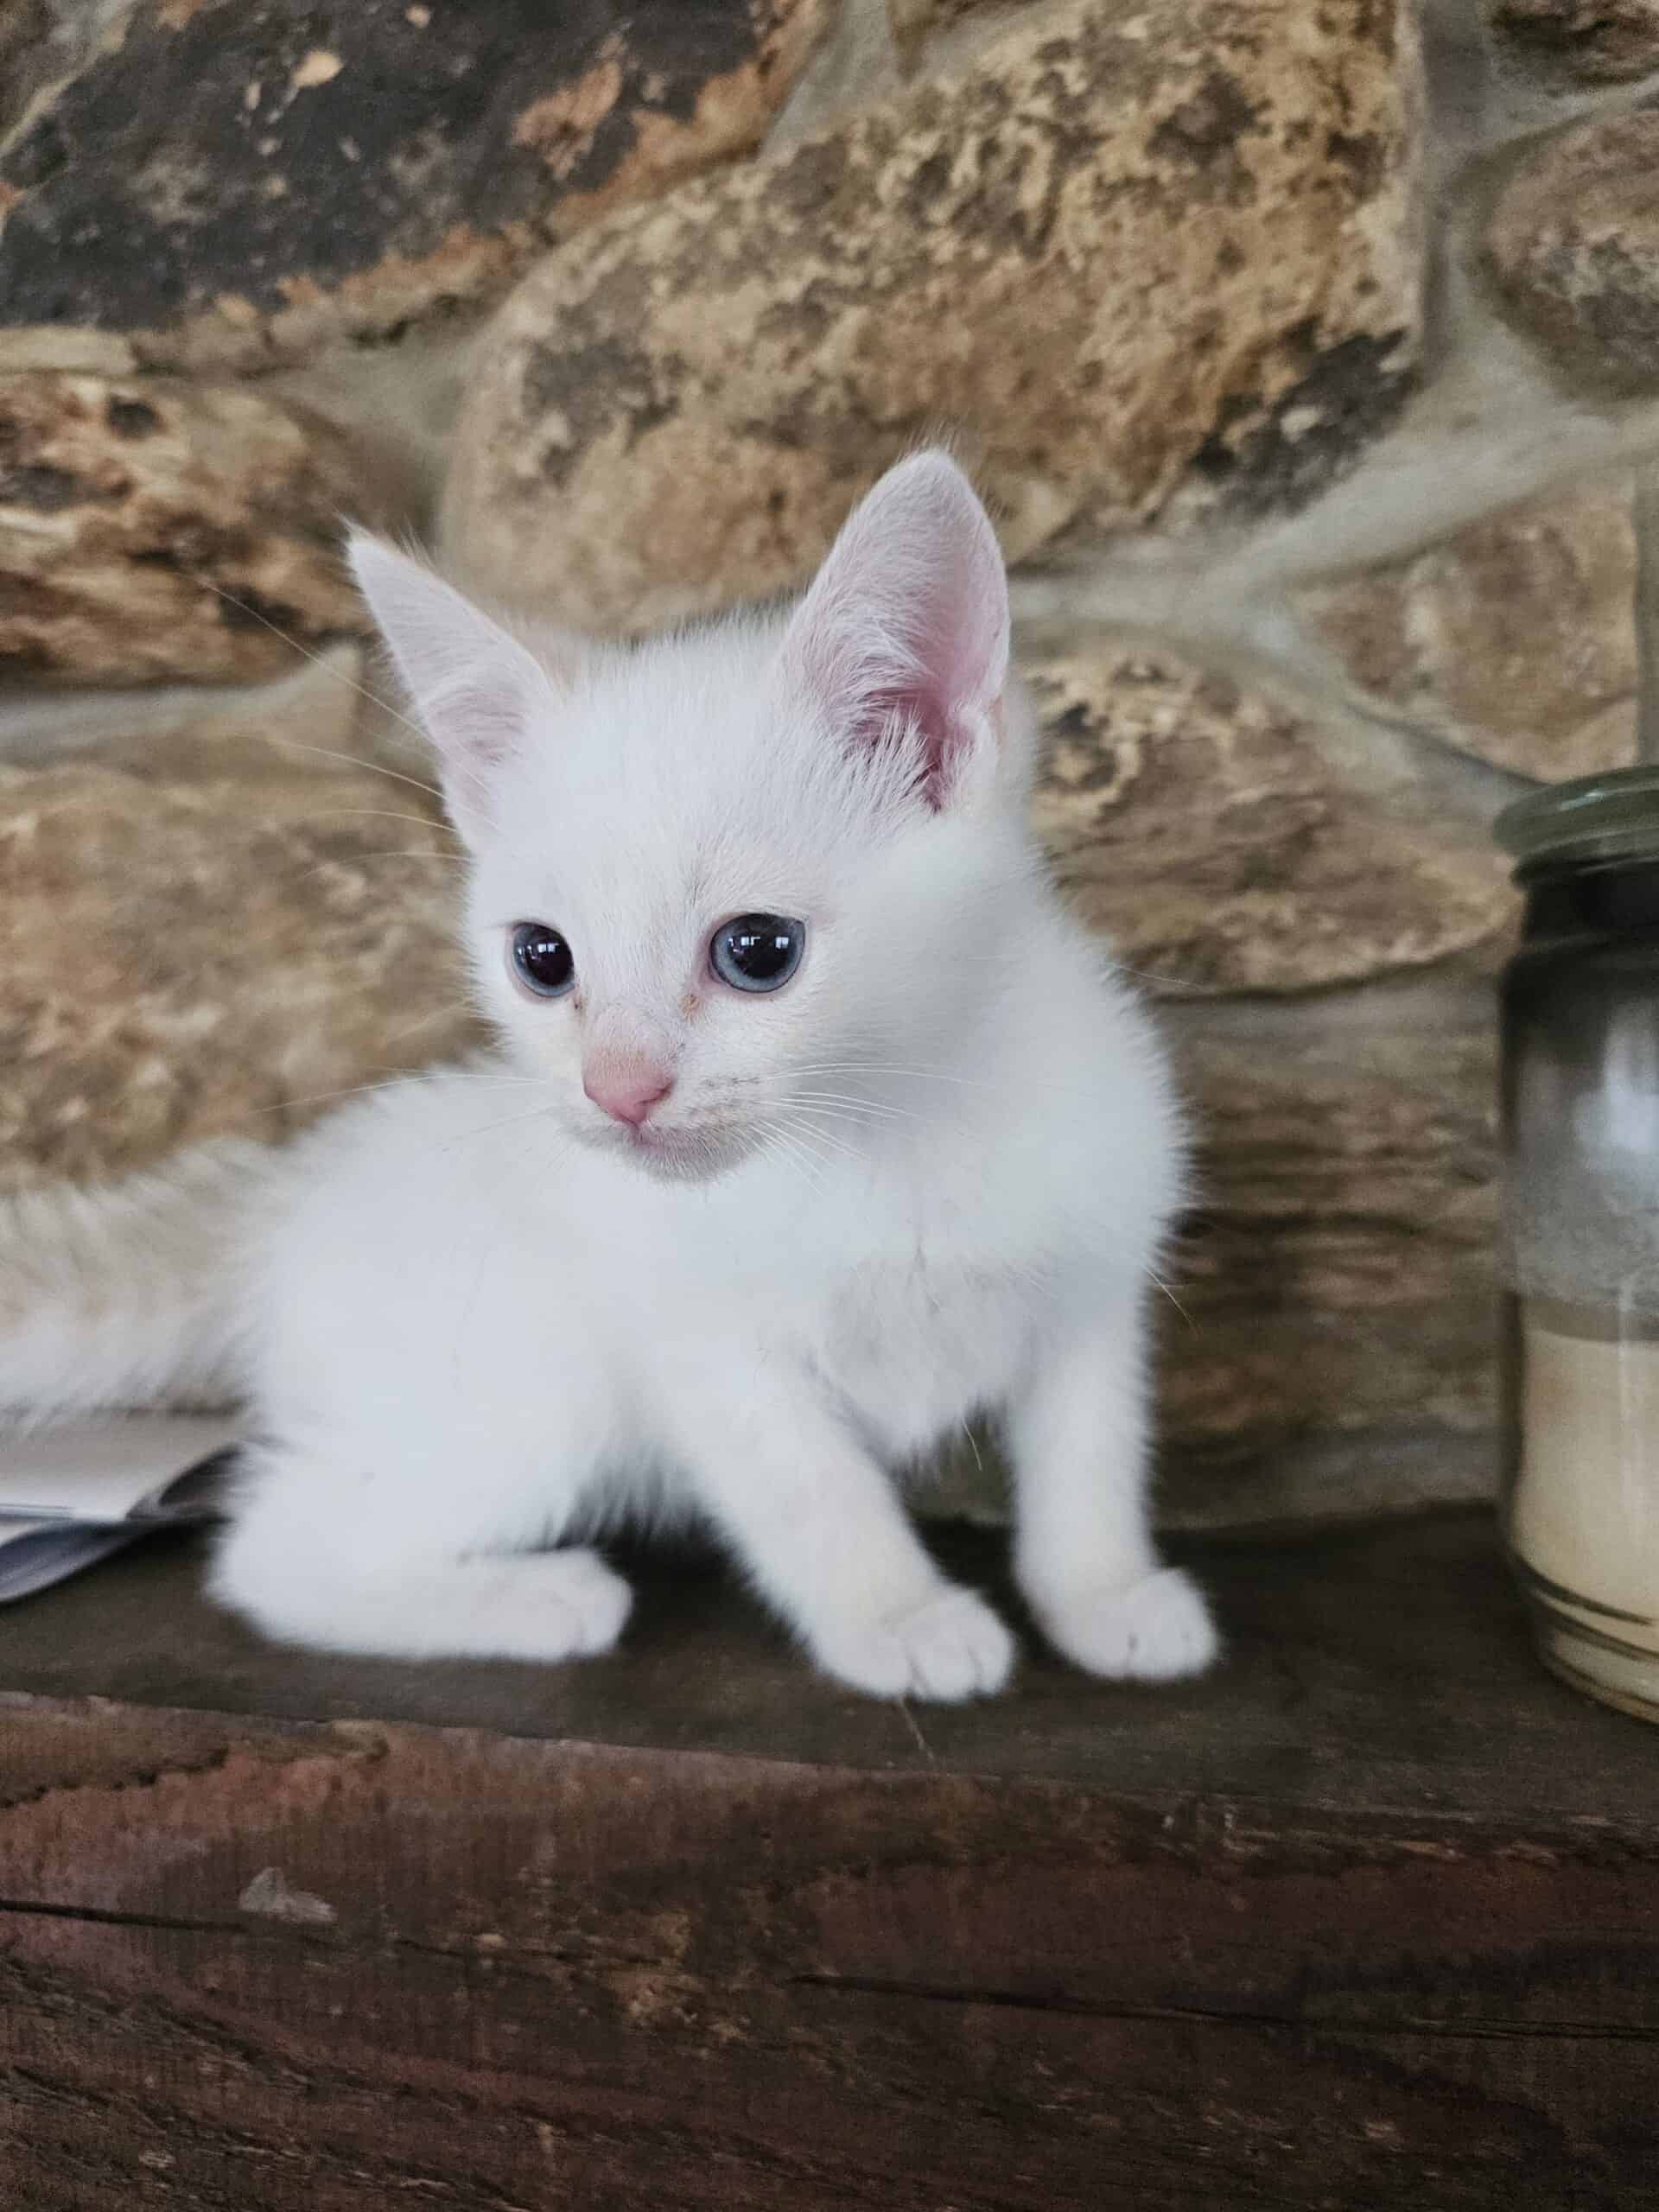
x=122 y=1295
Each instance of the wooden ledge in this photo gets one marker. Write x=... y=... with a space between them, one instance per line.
x=1370 y=1917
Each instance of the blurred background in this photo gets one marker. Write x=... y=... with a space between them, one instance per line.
x=1305 y=352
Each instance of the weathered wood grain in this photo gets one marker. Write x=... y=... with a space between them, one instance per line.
x=274 y=1963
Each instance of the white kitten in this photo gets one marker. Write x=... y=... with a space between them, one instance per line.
x=815 y=1128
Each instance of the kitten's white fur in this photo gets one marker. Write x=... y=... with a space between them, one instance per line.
x=475 y=1318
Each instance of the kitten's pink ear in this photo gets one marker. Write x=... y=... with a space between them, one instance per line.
x=903 y=638
x=474 y=688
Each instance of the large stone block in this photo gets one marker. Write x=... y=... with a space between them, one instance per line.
x=1516 y=637
x=1596 y=40
x=1132 y=257
x=1209 y=832
x=153 y=530
x=232 y=185
x=1337 y=1275
x=1573 y=245
x=182 y=959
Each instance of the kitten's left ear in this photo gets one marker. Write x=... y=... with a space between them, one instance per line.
x=903 y=637
x=475 y=688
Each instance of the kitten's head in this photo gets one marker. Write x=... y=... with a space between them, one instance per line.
x=750 y=885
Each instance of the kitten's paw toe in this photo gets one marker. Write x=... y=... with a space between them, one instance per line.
x=1154 y=1630
x=547 y=1605
x=592 y=1603
x=950 y=1647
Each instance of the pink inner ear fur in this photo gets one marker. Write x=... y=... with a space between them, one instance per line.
x=472 y=684
x=938 y=733
x=907 y=623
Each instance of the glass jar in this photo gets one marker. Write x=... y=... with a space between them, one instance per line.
x=1581 y=1238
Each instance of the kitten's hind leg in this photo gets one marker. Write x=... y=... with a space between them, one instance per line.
x=315 y=1558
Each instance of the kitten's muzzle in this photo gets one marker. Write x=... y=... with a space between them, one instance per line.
x=626 y=1090
x=674 y=1156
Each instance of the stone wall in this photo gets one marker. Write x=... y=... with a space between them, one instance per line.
x=1308 y=355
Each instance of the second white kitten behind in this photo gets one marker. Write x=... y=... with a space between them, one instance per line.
x=815 y=1127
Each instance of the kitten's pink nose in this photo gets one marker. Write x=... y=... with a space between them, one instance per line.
x=627 y=1090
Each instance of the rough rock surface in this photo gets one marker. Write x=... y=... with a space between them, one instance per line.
x=1516 y=638
x=25 y=35
x=178 y=960
x=1335 y=1275
x=1573 y=244
x=44 y=42
x=1221 y=848
x=916 y=24
x=65 y=345
x=130 y=506
x=1598 y=41
x=231 y=185
x=1122 y=264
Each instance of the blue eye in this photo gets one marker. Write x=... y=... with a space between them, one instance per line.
x=756 y=952
x=543 y=960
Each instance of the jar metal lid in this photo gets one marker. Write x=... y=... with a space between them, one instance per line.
x=1611 y=817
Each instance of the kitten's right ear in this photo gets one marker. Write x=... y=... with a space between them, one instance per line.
x=474 y=688
x=902 y=638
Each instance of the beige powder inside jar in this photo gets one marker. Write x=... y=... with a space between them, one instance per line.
x=1584 y=1506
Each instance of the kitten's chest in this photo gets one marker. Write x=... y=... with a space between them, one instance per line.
x=914 y=1344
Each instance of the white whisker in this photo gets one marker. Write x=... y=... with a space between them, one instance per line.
x=450 y=1007
x=811 y=1135
x=511 y=1122
x=361 y=813
x=882 y=1108
x=875 y=1067
x=357 y=761
x=789 y=1149
x=410 y=853
x=395 y=1083
x=814 y=1115
x=350 y=681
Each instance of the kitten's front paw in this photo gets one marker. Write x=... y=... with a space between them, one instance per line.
x=591 y=1604
x=1153 y=1630
x=952 y=1647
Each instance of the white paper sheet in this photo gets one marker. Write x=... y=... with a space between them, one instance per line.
x=116 y=1468
x=71 y=1495
x=34 y=1554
